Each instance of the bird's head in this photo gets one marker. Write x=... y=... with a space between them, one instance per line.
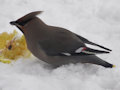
x=20 y=23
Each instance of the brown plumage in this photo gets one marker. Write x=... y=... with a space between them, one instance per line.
x=57 y=46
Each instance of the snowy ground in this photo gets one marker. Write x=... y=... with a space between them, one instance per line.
x=98 y=20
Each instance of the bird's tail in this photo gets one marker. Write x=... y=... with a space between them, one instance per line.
x=95 y=60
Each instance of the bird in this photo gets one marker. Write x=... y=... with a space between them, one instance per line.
x=58 y=46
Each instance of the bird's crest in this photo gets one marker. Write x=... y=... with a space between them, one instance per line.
x=29 y=16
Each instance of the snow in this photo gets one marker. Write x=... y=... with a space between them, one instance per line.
x=97 y=20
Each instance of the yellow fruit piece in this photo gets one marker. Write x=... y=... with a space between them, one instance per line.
x=5 y=61
x=12 y=47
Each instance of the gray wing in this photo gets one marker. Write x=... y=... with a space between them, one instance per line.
x=89 y=42
x=59 y=41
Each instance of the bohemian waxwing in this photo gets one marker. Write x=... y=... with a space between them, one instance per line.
x=55 y=45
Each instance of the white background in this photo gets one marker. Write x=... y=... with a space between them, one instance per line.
x=97 y=20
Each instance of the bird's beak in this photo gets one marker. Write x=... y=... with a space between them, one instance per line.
x=13 y=23
x=17 y=25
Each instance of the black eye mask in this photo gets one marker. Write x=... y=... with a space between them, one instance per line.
x=23 y=23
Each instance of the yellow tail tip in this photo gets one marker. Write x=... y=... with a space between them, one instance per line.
x=113 y=66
